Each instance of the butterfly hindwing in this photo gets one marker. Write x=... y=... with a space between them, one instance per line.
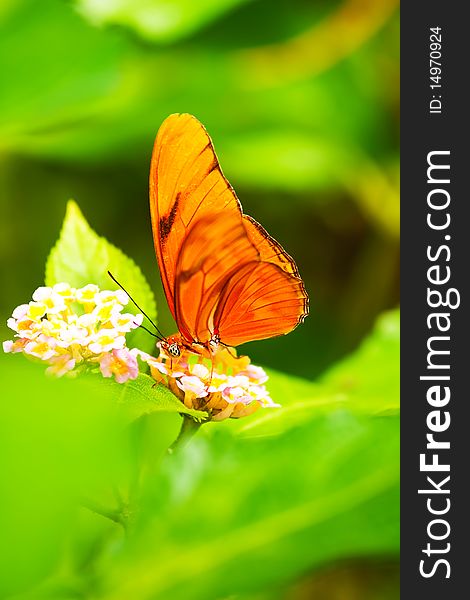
x=224 y=286
x=213 y=251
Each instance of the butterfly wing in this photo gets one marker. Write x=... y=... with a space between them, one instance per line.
x=221 y=271
x=211 y=254
x=270 y=250
x=259 y=302
x=186 y=183
x=231 y=282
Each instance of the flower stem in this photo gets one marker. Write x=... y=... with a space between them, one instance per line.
x=188 y=428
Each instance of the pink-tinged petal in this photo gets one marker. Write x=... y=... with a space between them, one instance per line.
x=54 y=303
x=12 y=324
x=106 y=361
x=159 y=366
x=138 y=319
x=8 y=346
x=255 y=374
x=72 y=335
x=112 y=296
x=65 y=291
x=87 y=293
x=85 y=320
x=219 y=382
x=61 y=365
x=25 y=327
x=20 y=311
x=269 y=403
x=42 y=349
x=123 y=377
x=125 y=322
x=120 y=363
x=200 y=371
x=106 y=340
x=96 y=348
x=141 y=354
x=42 y=293
x=16 y=346
x=121 y=297
x=156 y=364
x=238 y=381
x=192 y=385
x=261 y=395
x=236 y=394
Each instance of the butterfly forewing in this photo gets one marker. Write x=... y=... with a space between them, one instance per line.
x=185 y=184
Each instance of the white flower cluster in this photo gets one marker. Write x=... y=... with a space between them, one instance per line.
x=72 y=328
x=76 y=329
x=223 y=395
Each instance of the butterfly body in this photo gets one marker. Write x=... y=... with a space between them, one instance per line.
x=175 y=346
x=226 y=280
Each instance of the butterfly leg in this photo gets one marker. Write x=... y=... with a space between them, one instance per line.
x=212 y=371
x=210 y=354
x=230 y=350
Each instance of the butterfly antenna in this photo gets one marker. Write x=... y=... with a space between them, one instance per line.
x=160 y=334
x=151 y=332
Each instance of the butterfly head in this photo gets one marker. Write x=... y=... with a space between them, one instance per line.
x=171 y=347
x=174 y=349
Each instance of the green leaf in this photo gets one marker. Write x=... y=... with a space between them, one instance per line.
x=62 y=440
x=157 y=20
x=366 y=382
x=370 y=377
x=225 y=518
x=81 y=256
x=143 y=396
x=59 y=439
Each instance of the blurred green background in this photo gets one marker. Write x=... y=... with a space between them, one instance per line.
x=301 y=99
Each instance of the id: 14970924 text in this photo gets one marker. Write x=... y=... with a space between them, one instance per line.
x=435 y=69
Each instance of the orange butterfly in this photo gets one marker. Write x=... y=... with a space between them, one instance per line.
x=225 y=279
